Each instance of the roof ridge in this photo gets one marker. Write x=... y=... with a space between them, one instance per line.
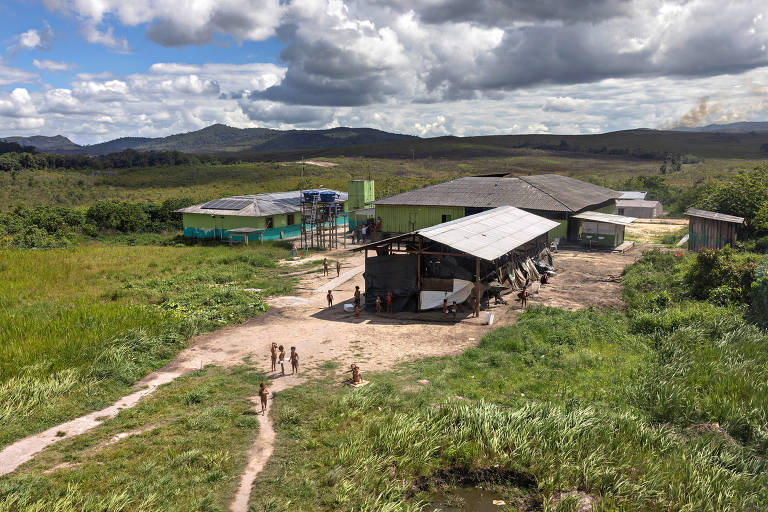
x=545 y=192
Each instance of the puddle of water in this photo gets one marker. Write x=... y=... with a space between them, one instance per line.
x=467 y=499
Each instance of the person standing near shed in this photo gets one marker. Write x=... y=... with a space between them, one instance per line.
x=357 y=296
x=389 y=302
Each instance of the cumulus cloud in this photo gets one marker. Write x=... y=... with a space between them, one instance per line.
x=170 y=23
x=10 y=75
x=19 y=110
x=33 y=39
x=52 y=65
x=91 y=33
x=282 y=115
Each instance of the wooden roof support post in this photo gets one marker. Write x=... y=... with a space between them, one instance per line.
x=477 y=282
x=418 y=275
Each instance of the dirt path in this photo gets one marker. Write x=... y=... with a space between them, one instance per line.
x=262 y=448
x=322 y=334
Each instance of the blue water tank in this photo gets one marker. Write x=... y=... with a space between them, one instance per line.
x=328 y=196
x=311 y=196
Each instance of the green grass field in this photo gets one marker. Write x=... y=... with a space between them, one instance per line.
x=81 y=325
x=659 y=408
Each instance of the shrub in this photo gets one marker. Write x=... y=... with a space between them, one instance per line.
x=721 y=270
x=117 y=215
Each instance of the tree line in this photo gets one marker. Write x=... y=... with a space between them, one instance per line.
x=14 y=161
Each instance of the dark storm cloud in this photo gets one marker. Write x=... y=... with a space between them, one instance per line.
x=270 y=112
x=504 y=12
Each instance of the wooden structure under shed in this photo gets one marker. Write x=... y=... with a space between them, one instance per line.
x=475 y=249
x=711 y=230
x=602 y=229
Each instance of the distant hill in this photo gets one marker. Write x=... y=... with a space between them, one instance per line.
x=742 y=127
x=55 y=144
x=219 y=138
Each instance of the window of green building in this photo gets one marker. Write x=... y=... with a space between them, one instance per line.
x=446 y=218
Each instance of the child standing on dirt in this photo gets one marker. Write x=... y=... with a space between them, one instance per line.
x=357 y=296
x=378 y=303
x=325 y=266
x=281 y=359
x=453 y=309
x=263 y=393
x=274 y=356
x=338 y=268
x=330 y=298
x=389 y=302
x=294 y=361
x=445 y=308
x=523 y=295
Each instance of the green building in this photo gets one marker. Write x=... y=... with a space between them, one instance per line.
x=602 y=230
x=277 y=216
x=551 y=196
x=361 y=194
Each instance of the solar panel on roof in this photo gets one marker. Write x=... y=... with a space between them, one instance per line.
x=226 y=204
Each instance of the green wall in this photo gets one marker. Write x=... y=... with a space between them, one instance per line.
x=360 y=192
x=406 y=218
x=198 y=225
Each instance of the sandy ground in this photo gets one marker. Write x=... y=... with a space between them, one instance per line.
x=375 y=342
x=650 y=231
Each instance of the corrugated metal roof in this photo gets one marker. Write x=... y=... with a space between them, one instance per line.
x=714 y=216
x=606 y=217
x=547 y=192
x=260 y=205
x=632 y=194
x=490 y=234
x=637 y=203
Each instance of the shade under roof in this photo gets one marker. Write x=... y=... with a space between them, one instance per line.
x=490 y=234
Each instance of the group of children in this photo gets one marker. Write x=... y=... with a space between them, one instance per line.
x=325 y=267
x=278 y=357
x=358 y=295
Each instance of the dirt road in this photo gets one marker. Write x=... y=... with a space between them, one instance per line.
x=322 y=334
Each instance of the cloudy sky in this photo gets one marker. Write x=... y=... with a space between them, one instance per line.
x=94 y=70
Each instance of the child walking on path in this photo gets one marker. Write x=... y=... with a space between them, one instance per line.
x=263 y=393
x=330 y=298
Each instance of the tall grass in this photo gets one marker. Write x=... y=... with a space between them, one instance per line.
x=80 y=325
x=608 y=403
x=186 y=455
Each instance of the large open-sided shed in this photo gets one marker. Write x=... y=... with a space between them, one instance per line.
x=548 y=195
x=474 y=249
x=275 y=216
x=711 y=230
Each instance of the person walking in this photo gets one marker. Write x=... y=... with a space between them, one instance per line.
x=338 y=268
x=325 y=266
x=264 y=394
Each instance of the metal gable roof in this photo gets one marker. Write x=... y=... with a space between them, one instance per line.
x=259 y=205
x=714 y=216
x=642 y=203
x=632 y=194
x=548 y=192
x=490 y=234
x=606 y=217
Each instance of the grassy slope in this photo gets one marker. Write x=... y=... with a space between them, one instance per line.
x=83 y=324
x=586 y=400
x=189 y=455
